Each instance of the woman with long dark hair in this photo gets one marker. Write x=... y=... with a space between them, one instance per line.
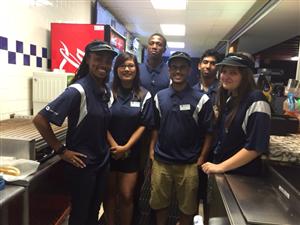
x=131 y=114
x=86 y=155
x=244 y=119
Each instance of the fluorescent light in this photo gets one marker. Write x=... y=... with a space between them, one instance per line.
x=173 y=44
x=40 y=2
x=169 y=4
x=295 y=58
x=173 y=29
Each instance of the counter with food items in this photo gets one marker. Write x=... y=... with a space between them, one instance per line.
x=46 y=185
x=13 y=169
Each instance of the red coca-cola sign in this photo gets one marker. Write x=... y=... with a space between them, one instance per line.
x=68 y=42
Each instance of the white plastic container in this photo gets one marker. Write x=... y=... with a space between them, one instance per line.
x=198 y=220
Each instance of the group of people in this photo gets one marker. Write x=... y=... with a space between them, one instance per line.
x=219 y=125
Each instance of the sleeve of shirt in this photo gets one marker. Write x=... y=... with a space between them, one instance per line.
x=258 y=132
x=57 y=110
x=205 y=116
x=156 y=111
x=147 y=117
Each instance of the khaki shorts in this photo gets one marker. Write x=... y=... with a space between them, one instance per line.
x=181 y=179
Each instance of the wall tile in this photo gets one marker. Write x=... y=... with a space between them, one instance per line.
x=11 y=57
x=39 y=61
x=19 y=46
x=44 y=53
x=32 y=49
x=3 y=43
x=26 y=60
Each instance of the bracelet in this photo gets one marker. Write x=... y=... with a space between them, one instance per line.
x=61 y=150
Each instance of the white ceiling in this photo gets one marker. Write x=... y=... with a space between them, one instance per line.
x=281 y=24
x=210 y=21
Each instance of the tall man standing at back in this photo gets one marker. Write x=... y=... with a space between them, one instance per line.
x=154 y=72
x=154 y=76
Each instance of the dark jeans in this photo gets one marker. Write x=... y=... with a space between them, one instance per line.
x=87 y=187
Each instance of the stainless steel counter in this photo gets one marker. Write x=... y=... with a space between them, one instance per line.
x=12 y=195
x=46 y=186
x=269 y=199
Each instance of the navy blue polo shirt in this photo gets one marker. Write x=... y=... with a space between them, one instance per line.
x=182 y=120
x=250 y=129
x=155 y=79
x=129 y=112
x=88 y=118
x=211 y=92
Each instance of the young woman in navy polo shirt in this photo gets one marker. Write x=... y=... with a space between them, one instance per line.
x=86 y=154
x=131 y=114
x=244 y=119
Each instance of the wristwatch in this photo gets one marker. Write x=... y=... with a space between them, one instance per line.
x=61 y=150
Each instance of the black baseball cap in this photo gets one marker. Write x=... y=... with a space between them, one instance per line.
x=238 y=60
x=100 y=46
x=180 y=55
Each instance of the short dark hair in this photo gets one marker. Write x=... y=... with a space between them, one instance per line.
x=213 y=53
x=162 y=37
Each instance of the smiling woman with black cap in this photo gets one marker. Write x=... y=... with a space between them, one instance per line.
x=86 y=104
x=244 y=119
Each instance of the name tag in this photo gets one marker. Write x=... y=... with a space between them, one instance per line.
x=135 y=104
x=185 y=107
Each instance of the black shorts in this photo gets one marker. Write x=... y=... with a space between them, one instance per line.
x=127 y=165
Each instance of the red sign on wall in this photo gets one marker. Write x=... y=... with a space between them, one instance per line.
x=117 y=41
x=68 y=42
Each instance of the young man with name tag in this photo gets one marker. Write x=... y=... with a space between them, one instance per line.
x=180 y=142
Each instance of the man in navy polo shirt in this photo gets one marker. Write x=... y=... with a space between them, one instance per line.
x=208 y=82
x=154 y=76
x=180 y=142
x=154 y=72
x=86 y=155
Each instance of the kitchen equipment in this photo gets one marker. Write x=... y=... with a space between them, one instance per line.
x=46 y=86
x=283 y=125
x=19 y=138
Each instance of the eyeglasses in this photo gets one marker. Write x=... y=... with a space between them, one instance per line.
x=129 y=66
x=180 y=68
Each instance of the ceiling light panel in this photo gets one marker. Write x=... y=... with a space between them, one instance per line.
x=173 y=29
x=172 y=44
x=169 y=4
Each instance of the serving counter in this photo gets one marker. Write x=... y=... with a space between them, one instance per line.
x=44 y=195
x=12 y=205
x=272 y=198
